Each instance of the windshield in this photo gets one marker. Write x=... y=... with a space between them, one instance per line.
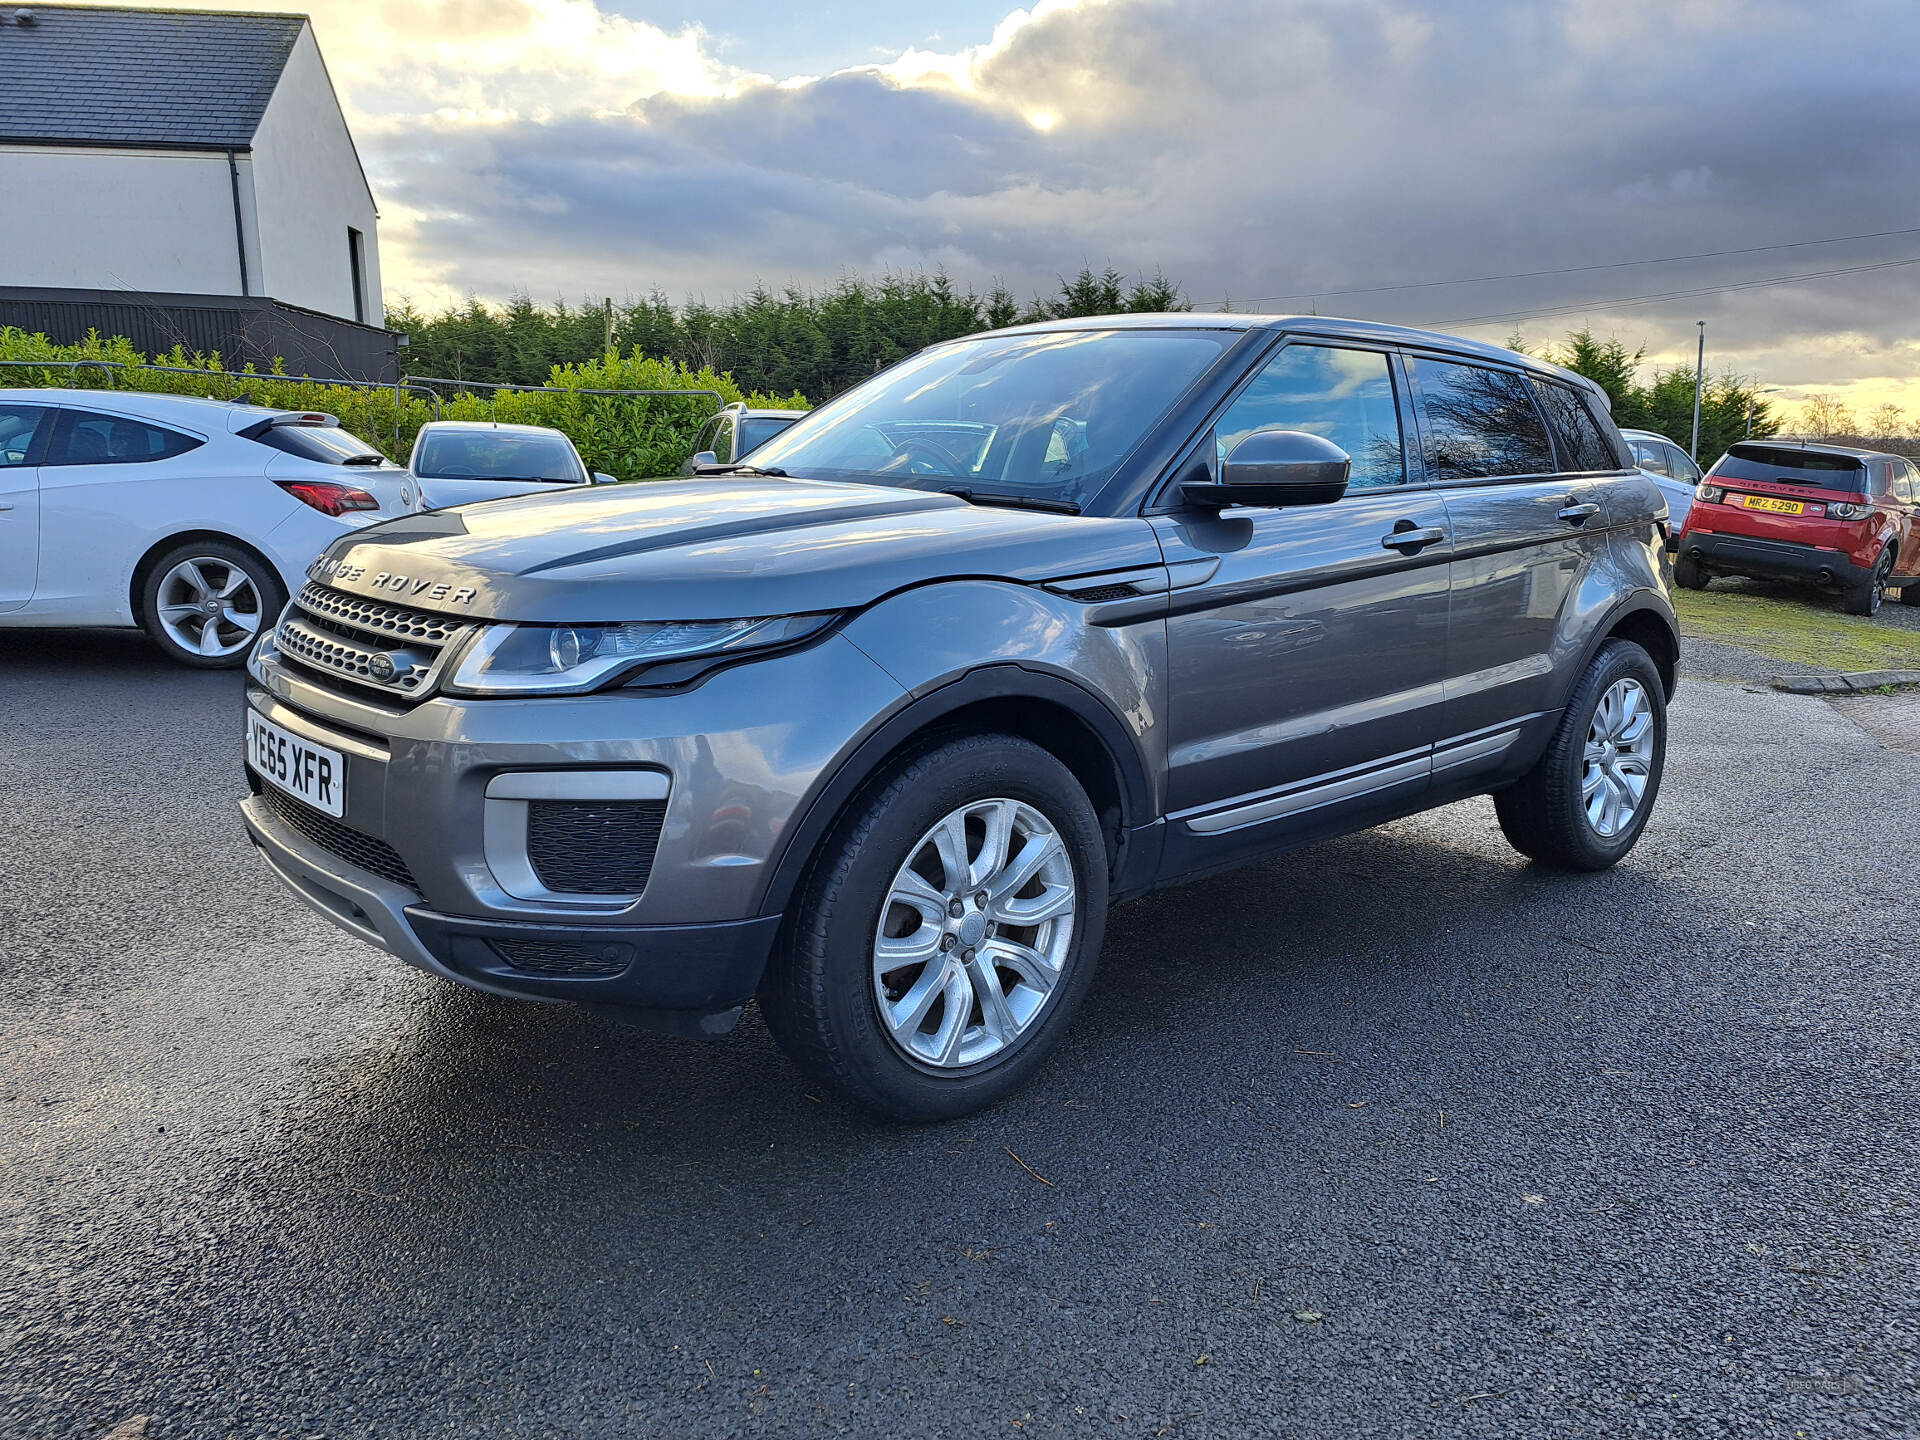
x=1047 y=416
x=495 y=455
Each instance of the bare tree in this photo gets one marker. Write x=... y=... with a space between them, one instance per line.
x=1824 y=416
x=1887 y=421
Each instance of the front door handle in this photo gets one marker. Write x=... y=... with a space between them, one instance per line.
x=1409 y=540
x=1576 y=514
x=5 y=506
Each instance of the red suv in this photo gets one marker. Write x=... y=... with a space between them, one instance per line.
x=1844 y=519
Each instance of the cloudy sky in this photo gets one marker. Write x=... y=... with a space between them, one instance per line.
x=1273 y=153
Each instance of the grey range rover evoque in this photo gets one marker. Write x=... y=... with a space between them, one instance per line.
x=876 y=727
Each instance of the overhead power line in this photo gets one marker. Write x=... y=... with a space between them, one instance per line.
x=1582 y=269
x=1626 y=301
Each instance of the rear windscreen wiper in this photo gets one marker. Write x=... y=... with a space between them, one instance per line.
x=1015 y=502
x=365 y=460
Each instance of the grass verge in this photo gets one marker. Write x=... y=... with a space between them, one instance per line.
x=1797 y=626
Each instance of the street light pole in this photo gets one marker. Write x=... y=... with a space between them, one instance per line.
x=1699 y=378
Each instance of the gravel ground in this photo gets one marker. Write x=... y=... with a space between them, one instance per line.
x=1893 y=612
x=1395 y=1137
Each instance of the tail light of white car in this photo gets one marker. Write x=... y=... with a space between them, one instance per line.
x=329 y=497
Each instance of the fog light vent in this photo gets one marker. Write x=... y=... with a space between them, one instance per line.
x=593 y=847
x=565 y=959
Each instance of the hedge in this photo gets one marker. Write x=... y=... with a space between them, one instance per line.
x=628 y=437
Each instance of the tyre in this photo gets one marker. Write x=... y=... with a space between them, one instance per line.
x=946 y=932
x=1688 y=574
x=1911 y=595
x=1866 y=597
x=205 y=602
x=1584 y=804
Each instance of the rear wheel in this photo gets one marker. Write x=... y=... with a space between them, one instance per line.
x=1584 y=804
x=205 y=602
x=946 y=933
x=1688 y=574
x=1911 y=595
x=1866 y=597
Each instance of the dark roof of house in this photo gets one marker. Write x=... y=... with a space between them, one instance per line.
x=103 y=75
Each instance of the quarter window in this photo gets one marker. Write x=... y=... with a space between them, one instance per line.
x=1582 y=446
x=17 y=424
x=86 y=438
x=1481 y=423
x=1346 y=396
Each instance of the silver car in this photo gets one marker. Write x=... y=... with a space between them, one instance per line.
x=1669 y=467
x=876 y=726
x=454 y=462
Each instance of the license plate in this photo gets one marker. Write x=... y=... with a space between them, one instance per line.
x=304 y=770
x=1778 y=507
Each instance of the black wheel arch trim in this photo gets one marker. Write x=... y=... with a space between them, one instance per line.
x=1641 y=602
x=1006 y=681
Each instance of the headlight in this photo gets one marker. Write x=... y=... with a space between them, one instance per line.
x=1709 y=493
x=570 y=659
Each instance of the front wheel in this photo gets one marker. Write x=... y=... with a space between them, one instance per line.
x=204 y=603
x=1585 y=802
x=1866 y=597
x=946 y=933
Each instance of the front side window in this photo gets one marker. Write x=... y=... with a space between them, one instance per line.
x=87 y=438
x=1048 y=415
x=723 y=440
x=17 y=424
x=1480 y=423
x=495 y=455
x=1345 y=396
x=1650 y=455
x=1581 y=444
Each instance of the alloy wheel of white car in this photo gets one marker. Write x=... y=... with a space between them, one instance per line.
x=209 y=606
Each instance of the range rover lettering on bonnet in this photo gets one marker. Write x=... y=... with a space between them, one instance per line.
x=407 y=585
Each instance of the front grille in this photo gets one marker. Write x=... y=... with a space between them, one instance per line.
x=342 y=840
x=565 y=959
x=337 y=636
x=598 y=847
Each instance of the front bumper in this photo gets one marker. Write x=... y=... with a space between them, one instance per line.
x=430 y=861
x=1772 y=559
x=690 y=979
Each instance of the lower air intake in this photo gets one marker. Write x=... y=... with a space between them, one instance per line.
x=594 y=847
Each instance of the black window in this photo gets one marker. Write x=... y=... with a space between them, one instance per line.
x=86 y=438
x=1582 y=444
x=328 y=444
x=357 y=272
x=17 y=424
x=1787 y=465
x=1346 y=396
x=1480 y=423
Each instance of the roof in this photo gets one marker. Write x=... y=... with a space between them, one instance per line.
x=1327 y=326
x=1811 y=447
x=147 y=404
x=106 y=75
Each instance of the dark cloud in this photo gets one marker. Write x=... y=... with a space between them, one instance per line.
x=1269 y=149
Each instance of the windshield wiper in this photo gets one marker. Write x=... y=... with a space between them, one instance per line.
x=741 y=468
x=1014 y=502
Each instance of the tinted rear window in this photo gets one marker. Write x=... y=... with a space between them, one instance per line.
x=328 y=444
x=1784 y=465
x=1582 y=443
x=1481 y=423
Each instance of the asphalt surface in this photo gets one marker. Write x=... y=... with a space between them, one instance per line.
x=1399 y=1136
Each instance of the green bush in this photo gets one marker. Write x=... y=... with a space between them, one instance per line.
x=629 y=437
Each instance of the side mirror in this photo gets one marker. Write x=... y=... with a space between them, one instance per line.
x=1277 y=467
x=699 y=458
x=600 y=477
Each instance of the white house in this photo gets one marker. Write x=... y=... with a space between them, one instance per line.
x=184 y=153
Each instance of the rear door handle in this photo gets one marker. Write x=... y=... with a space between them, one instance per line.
x=1574 y=514
x=1410 y=540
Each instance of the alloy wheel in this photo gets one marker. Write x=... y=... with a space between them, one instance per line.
x=209 y=606
x=1618 y=758
x=975 y=933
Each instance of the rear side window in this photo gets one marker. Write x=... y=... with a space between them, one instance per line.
x=1480 y=423
x=1682 y=464
x=17 y=424
x=1345 y=396
x=1576 y=433
x=1785 y=465
x=328 y=444
x=86 y=438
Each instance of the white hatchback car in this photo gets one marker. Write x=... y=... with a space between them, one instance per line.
x=455 y=461
x=1669 y=467
x=190 y=518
